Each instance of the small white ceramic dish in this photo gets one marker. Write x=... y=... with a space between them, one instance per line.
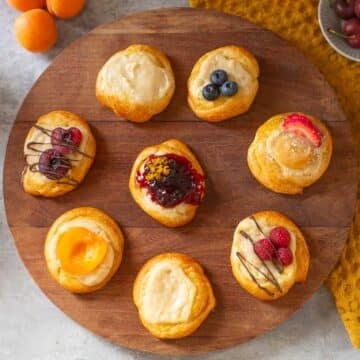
x=328 y=19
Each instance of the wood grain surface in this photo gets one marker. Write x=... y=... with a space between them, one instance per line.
x=288 y=82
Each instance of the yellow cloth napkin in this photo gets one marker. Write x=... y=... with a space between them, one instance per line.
x=296 y=21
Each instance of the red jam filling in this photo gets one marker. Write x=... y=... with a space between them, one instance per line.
x=170 y=179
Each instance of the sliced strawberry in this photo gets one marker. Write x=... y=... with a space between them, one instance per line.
x=301 y=125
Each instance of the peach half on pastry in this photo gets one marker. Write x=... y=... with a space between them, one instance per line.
x=83 y=249
x=290 y=152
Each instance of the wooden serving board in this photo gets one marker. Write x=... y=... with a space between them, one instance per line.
x=288 y=82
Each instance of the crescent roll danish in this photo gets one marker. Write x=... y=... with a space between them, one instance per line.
x=83 y=249
x=173 y=295
x=136 y=83
x=168 y=183
x=268 y=255
x=290 y=152
x=223 y=83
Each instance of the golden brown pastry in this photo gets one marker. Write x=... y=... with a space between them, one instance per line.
x=290 y=152
x=83 y=249
x=136 y=83
x=168 y=183
x=173 y=295
x=59 y=151
x=268 y=255
x=223 y=83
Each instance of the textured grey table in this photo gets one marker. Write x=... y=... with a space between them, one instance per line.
x=33 y=328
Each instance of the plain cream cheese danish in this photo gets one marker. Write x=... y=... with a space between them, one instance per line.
x=173 y=295
x=136 y=83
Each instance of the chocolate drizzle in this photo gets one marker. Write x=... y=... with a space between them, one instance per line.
x=63 y=143
x=271 y=275
x=244 y=262
x=64 y=162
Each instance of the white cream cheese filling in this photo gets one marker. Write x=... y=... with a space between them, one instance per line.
x=168 y=294
x=138 y=75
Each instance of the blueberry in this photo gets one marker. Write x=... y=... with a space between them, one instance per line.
x=229 y=88
x=210 y=92
x=218 y=77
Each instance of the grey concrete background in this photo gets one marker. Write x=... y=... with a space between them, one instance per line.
x=33 y=328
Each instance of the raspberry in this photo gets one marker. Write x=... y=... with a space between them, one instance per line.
x=280 y=237
x=264 y=249
x=65 y=141
x=285 y=256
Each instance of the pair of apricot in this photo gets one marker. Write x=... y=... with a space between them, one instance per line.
x=35 y=29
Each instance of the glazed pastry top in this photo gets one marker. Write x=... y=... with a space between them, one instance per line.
x=139 y=75
x=235 y=69
x=294 y=154
x=170 y=294
x=290 y=152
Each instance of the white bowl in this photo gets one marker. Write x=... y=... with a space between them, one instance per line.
x=328 y=19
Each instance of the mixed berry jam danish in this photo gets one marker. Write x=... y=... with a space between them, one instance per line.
x=290 y=152
x=168 y=183
x=268 y=255
x=59 y=151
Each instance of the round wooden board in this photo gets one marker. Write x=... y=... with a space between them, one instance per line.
x=288 y=83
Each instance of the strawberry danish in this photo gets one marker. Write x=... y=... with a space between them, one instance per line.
x=290 y=152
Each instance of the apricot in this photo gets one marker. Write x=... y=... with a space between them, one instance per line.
x=35 y=30
x=25 y=5
x=65 y=9
x=80 y=251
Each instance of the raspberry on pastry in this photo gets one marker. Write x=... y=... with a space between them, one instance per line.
x=262 y=268
x=223 y=83
x=136 y=83
x=83 y=249
x=59 y=151
x=168 y=183
x=290 y=152
x=173 y=295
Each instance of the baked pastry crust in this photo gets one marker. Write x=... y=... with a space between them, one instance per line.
x=277 y=177
x=123 y=102
x=294 y=273
x=108 y=227
x=224 y=107
x=38 y=184
x=203 y=303
x=178 y=215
